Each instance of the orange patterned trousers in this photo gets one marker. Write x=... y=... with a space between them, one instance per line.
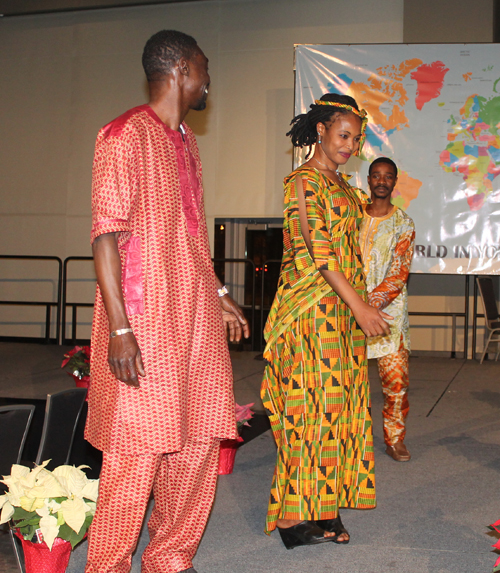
x=183 y=484
x=393 y=372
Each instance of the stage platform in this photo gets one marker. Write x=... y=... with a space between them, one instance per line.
x=432 y=513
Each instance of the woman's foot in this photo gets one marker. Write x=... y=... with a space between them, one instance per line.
x=287 y=523
x=335 y=529
x=295 y=533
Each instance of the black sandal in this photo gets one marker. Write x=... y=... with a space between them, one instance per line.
x=304 y=533
x=334 y=526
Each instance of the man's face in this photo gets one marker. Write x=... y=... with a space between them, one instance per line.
x=382 y=180
x=198 y=81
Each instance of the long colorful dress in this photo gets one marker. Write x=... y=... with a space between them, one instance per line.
x=315 y=387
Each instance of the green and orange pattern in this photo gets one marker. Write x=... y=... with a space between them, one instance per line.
x=315 y=386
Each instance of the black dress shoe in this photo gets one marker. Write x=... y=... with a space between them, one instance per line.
x=304 y=533
x=334 y=526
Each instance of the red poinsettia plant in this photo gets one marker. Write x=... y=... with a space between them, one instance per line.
x=496 y=527
x=77 y=361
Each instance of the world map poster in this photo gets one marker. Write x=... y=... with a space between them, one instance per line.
x=435 y=110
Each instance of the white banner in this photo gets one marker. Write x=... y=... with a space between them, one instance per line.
x=434 y=110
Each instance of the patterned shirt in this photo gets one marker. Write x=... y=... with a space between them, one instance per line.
x=147 y=186
x=387 y=245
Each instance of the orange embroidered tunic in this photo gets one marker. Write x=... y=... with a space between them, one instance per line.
x=147 y=186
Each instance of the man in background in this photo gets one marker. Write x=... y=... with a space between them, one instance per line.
x=387 y=237
x=160 y=397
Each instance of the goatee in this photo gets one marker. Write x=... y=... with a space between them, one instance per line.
x=201 y=105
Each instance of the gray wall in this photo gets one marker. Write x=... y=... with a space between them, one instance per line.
x=452 y=21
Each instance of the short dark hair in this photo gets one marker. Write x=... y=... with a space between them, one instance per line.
x=304 y=133
x=383 y=160
x=163 y=50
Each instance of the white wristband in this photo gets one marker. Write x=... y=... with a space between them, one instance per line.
x=222 y=291
x=120 y=332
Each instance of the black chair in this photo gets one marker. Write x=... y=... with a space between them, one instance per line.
x=492 y=317
x=62 y=413
x=15 y=421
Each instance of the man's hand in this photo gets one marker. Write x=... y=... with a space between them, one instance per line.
x=124 y=358
x=234 y=321
x=371 y=320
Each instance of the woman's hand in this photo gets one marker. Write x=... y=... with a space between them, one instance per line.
x=371 y=320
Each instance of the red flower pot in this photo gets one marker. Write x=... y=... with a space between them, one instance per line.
x=83 y=382
x=38 y=558
x=227 y=454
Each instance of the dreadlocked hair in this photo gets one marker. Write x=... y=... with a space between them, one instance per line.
x=303 y=132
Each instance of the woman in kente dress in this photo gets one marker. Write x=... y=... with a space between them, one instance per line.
x=315 y=386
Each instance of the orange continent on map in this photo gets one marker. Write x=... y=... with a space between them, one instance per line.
x=406 y=190
x=385 y=88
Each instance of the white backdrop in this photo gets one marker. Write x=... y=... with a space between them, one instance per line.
x=435 y=110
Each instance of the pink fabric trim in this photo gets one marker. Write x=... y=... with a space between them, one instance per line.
x=132 y=277
x=115 y=127
x=189 y=188
x=188 y=177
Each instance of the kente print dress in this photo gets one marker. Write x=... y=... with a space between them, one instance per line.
x=315 y=387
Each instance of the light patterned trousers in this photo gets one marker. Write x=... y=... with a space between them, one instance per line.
x=393 y=372
x=183 y=484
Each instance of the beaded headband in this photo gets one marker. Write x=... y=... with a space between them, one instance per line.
x=361 y=114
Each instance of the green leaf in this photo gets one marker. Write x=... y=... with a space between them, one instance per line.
x=25 y=522
x=28 y=532
x=20 y=513
x=65 y=531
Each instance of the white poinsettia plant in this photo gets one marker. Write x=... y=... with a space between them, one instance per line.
x=59 y=503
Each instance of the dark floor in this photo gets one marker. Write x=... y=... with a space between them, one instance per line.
x=432 y=513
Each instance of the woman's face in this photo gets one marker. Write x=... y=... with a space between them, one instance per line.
x=339 y=137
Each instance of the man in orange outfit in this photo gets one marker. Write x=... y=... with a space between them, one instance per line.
x=160 y=398
x=387 y=237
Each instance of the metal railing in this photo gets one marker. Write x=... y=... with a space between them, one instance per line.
x=62 y=304
x=49 y=305
x=454 y=315
x=74 y=305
